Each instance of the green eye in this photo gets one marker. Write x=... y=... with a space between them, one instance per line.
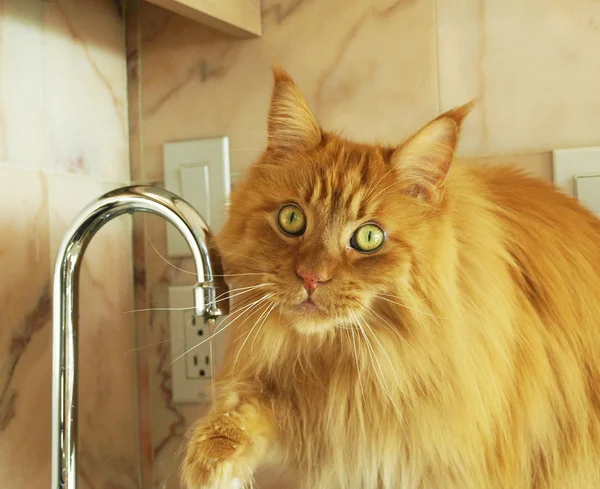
x=367 y=238
x=292 y=220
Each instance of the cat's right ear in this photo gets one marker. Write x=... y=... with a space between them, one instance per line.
x=292 y=126
x=423 y=161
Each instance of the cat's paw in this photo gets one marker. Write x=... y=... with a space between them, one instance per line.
x=215 y=461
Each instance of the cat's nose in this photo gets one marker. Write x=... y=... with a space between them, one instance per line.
x=312 y=279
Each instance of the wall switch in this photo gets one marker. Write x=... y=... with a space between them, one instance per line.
x=577 y=172
x=198 y=171
x=190 y=353
x=569 y=163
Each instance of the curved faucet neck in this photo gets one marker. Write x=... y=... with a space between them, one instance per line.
x=125 y=200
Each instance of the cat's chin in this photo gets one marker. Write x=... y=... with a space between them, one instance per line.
x=312 y=326
x=308 y=318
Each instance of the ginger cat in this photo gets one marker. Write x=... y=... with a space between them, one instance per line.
x=409 y=321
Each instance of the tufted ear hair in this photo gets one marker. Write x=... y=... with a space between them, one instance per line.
x=423 y=161
x=292 y=126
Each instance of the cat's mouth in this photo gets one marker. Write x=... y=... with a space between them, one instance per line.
x=308 y=305
x=301 y=306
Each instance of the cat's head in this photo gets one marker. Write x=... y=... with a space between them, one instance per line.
x=326 y=227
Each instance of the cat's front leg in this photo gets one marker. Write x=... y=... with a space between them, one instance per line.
x=227 y=445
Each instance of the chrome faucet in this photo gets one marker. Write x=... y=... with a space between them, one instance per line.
x=125 y=200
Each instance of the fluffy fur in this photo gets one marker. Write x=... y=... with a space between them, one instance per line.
x=464 y=354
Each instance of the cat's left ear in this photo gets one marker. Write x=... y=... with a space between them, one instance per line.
x=423 y=161
x=292 y=126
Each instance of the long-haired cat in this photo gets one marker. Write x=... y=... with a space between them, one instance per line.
x=403 y=320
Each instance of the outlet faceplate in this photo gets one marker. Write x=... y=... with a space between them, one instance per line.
x=190 y=352
x=198 y=361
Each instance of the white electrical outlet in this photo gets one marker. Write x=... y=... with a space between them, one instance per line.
x=190 y=352
x=198 y=362
x=198 y=171
x=577 y=172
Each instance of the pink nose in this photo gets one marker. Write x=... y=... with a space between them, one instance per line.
x=312 y=280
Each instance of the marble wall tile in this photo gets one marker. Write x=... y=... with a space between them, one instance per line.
x=109 y=451
x=132 y=46
x=25 y=329
x=22 y=117
x=534 y=65
x=86 y=89
x=141 y=320
x=368 y=70
x=2 y=103
x=63 y=110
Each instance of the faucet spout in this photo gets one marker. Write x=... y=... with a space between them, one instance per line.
x=125 y=200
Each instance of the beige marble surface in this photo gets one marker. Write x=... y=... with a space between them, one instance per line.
x=22 y=106
x=533 y=63
x=132 y=46
x=63 y=142
x=25 y=332
x=85 y=88
x=144 y=352
x=376 y=71
x=368 y=69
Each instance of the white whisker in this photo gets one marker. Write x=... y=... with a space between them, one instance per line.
x=273 y=306
x=167 y=261
x=149 y=345
x=358 y=372
x=220 y=329
x=380 y=346
x=170 y=339
x=386 y=322
x=377 y=366
x=219 y=298
x=373 y=187
x=237 y=274
x=160 y=309
x=251 y=312
x=397 y=410
x=384 y=189
x=248 y=337
x=243 y=290
x=195 y=273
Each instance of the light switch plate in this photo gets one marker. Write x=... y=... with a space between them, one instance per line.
x=570 y=164
x=198 y=171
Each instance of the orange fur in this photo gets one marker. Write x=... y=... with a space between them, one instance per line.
x=464 y=354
